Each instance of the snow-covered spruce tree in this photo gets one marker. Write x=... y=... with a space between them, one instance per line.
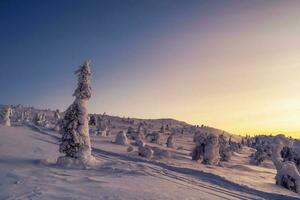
x=154 y=137
x=225 y=151
x=263 y=151
x=22 y=117
x=206 y=149
x=121 y=138
x=6 y=116
x=75 y=143
x=287 y=175
x=290 y=154
x=130 y=133
x=145 y=150
x=93 y=120
x=211 y=150
x=167 y=127
x=198 y=151
x=162 y=129
x=38 y=119
x=140 y=128
x=56 y=120
x=170 y=141
x=138 y=136
x=103 y=131
x=56 y=115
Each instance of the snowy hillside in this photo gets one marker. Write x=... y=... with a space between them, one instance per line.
x=28 y=171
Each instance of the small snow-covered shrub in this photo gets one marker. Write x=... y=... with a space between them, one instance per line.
x=263 y=151
x=103 y=132
x=145 y=151
x=170 y=141
x=130 y=149
x=154 y=137
x=121 y=138
x=161 y=153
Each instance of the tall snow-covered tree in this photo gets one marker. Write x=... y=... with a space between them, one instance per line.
x=76 y=144
x=56 y=115
x=6 y=116
x=56 y=120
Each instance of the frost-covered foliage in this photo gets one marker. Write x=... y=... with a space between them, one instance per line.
x=263 y=151
x=211 y=150
x=207 y=148
x=103 y=131
x=162 y=129
x=154 y=137
x=290 y=154
x=130 y=148
x=22 y=117
x=235 y=146
x=121 y=138
x=56 y=115
x=6 y=114
x=225 y=150
x=141 y=128
x=131 y=133
x=56 y=120
x=288 y=174
x=161 y=153
x=37 y=118
x=93 y=120
x=198 y=151
x=170 y=141
x=167 y=127
x=145 y=151
x=76 y=142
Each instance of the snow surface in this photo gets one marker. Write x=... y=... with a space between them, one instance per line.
x=28 y=171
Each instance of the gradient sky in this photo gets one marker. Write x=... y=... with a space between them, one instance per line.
x=234 y=65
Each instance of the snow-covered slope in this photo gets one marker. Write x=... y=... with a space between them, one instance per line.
x=28 y=171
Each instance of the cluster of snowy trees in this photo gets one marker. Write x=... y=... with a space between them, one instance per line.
x=123 y=139
x=212 y=148
x=283 y=153
x=207 y=149
x=19 y=115
x=141 y=136
x=263 y=151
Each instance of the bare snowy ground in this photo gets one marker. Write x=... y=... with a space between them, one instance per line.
x=28 y=171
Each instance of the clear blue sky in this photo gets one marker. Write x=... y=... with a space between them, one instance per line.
x=42 y=42
x=229 y=64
